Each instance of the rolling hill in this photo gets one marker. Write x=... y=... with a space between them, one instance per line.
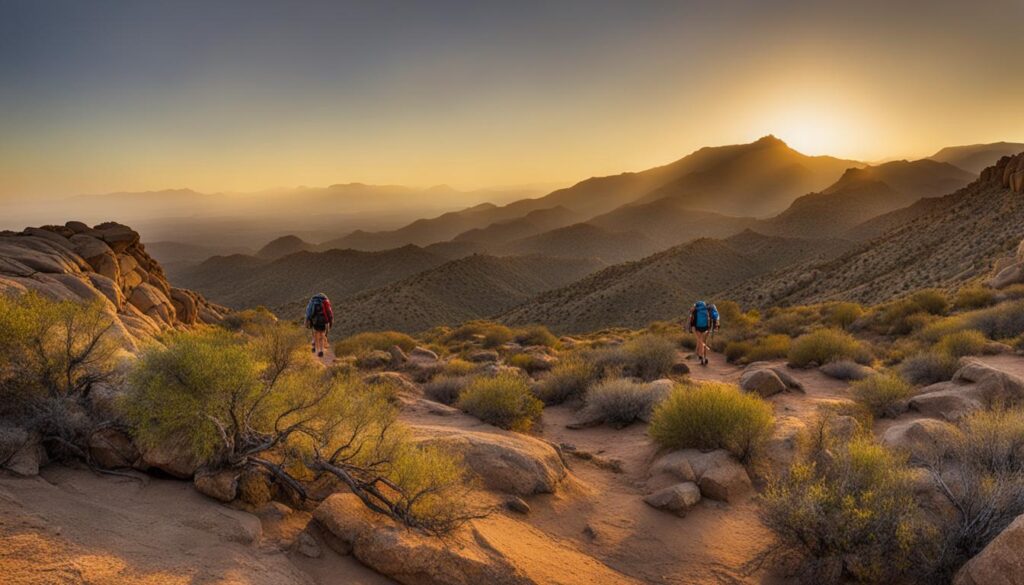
x=584 y=240
x=976 y=157
x=945 y=243
x=664 y=285
x=284 y=246
x=865 y=193
x=246 y=281
x=465 y=289
x=530 y=224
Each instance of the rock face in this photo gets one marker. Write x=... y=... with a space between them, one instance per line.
x=410 y=557
x=999 y=563
x=105 y=262
x=506 y=462
x=718 y=475
x=919 y=438
x=20 y=451
x=1009 y=172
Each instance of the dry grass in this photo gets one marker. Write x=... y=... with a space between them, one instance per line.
x=885 y=395
x=504 y=401
x=822 y=346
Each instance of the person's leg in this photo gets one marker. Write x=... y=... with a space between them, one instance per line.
x=701 y=347
x=320 y=341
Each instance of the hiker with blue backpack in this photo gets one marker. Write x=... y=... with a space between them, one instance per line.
x=319 y=318
x=704 y=321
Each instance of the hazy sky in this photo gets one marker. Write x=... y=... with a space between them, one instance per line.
x=100 y=96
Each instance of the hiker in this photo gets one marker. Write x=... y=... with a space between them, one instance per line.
x=319 y=318
x=704 y=320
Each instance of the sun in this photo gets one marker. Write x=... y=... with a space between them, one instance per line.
x=815 y=128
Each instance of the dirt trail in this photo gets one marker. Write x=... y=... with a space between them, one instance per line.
x=71 y=526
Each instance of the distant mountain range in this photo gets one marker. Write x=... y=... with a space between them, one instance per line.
x=976 y=157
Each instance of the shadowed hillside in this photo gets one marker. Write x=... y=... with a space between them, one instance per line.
x=663 y=286
x=284 y=246
x=584 y=240
x=945 y=243
x=976 y=157
x=247 y=281
x=458 y=291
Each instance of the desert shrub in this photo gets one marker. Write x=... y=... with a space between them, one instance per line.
x=882 y=394
x=496 y=335
x=609 y=361
x=737 y=351
x=263 y=403
x=688 y=340
x=974 y=297
x=459 y=367
x=535 y=335
x=568 y=380
x=375 y=340
x=504 y=401
x=962 y=343
x=826 y=345
x=1011 y=293
x=620 y=402
x=843 y=314
x=982 y=468
x=650 y=356
x=931 y=301
x=935 y=330
x=845 y=370
x=1002 y=321
x=928 y=368
x=845 y=510
x=712 y=416
x=911 y=313
x=248 y=318
x=445 y=388
x=790 y=321
x=733 y=316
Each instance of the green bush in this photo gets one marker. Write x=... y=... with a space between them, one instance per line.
x=376 y=340
x=826 y=345
x=911 y=313
x=769 y=347
x=620 y=402
x=712 y=416
x=931 y=301
x=883 y=394
x=535 y=335
x=650 y=357
x=962 y=343
x=791 y=321
x=459 y=367
x=928 y=368
x=568 y=380
x=504 y=401
x=843 y=314
x=737 y=351
x=845 y=510
x=247 y=319
x=974 y=297
x=496 y=335
x=1002 y=321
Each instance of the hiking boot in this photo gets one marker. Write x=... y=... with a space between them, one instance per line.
x=321 y=354
x=314 y=348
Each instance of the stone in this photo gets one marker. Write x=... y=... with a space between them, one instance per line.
x=422 y=353
x=678 y=498
x=922 y=438
x=679 y=369
x=171 y=457
x=1000 y=562
x=993 y=386
x=504 y=461
x=517 y=505
x=307 y=545
x=949 y=401
x=726 y=483
x=21 y=452
x=220 y=484
x=675 y=464
x=398 y=356
x=482 y=356
x=112 y=448
x=410 y=557
x=764 y=382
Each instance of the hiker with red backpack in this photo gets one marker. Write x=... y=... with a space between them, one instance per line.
x=319 y=318
x=704 y=320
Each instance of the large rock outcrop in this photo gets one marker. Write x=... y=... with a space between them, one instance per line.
x=106 y=262
x=999 y=563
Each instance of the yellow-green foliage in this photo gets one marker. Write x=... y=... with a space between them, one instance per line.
x=688 y=340
x=733 y=316
x=488 y=333
x=791 y=321
x=882 y=394
x=522 y=361
x=568 y=380
x=842 y=314
x=974 y=297
x=248 y=319
x=432 y=486
x=1002 y=321
x=535 y=335
x=769 y=347
x=712 y=416
x=52 y=350
x=1012 y=292
x=825 y=345
x=459 y=367
x=846 y=509
x=929 y=367
x=910 y=313
x=737 y=351
x=650 y=356
x=504 y=401
x=379 y=340
x=935 y=330
x=962 y=343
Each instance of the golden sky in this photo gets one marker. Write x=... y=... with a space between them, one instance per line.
x=246 y=96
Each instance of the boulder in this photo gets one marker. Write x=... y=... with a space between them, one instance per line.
x=762 y=381
x=220 y=484
x=999 y=563
x=993 y=386
x=172 y=457
x=921 y=439
x=728 y=482
x=678 y=498
x=398 y=356
x=111 y=448
x=950 y=401
x=118 y=237
x=675 y=464
x=518 y=505
x=21 y=452
x=504 y=461
x=482 y=356
x=394 y=380
x=412 y=558
x=422 y=353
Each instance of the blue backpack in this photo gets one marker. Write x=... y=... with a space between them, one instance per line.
x=700 y=315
